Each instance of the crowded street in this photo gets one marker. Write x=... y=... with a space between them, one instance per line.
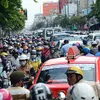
x=50 y=50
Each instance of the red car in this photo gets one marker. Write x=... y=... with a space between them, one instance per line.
x=53 y=71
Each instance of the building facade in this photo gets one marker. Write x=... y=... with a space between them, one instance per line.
x=80 y=7
x=50 y=8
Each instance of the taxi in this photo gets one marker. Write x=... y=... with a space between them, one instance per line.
x=53 y=71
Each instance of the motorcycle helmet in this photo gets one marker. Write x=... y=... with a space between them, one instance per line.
x=86 y=50
x=40 y=92
x=76 y=70
x=5 y=95
x=23 y=57
x=33 y=52
x=83 y=91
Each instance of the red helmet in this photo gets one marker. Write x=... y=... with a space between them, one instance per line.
x=5 y=95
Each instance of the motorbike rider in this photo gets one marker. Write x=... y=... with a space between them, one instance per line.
x=40 y=92
x=39 y=51
x=24 y=66
x=94 y=48
x=34 y=61
x=74 y=76
x=83 y=91
x=17 y=90
x=5 y=94
x=86 y=51
x=25 y=51
x=53 y=53
x=27 y=68
x=45 y=52
x=5 y=48
x=4 y=60
x=15 y=59
x=1 y=48
x=65 y=48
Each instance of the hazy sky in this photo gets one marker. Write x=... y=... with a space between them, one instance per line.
x=32 y=9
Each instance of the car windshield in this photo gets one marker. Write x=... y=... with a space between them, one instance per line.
x=90 y=37
x=49 y=33
x=59 y=37
x=97 y=37
x=57 y=30
x=57 y=73
x=74 y=38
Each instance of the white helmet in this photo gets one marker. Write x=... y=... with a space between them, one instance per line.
x=23 y=57
x=40 y=92
x=10 y=47
x=83 y=91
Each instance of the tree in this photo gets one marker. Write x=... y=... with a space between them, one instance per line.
x=78 y=21
x=95 y=10
x=61 y=20
x=11 y=19
x=40 y=25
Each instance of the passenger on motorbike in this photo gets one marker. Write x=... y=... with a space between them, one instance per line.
x=17 y=90
x=41 y=92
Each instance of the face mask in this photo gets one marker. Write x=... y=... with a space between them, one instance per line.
x=25 y=51
x=46 y=46
x=52 y=51
x=39 y=53
x=33 y=56
x=23 y=63
x=16 y=56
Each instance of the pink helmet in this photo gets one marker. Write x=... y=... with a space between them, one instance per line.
x=5 y=95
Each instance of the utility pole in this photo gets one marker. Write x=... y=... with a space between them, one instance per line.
x=68 y=8
x=87 y=16
x=77 y=7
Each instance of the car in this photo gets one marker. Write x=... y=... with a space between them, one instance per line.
x=58 y=36
x=72 y=40
x=93 y=37
x=48 y=32
x=53 y=71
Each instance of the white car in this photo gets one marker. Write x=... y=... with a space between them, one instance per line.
x=72 y=40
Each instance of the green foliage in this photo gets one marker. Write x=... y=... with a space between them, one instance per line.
x=95 y=10
x=61 y=20
x=11 y=19
x=78 y=20
x=40 y=25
